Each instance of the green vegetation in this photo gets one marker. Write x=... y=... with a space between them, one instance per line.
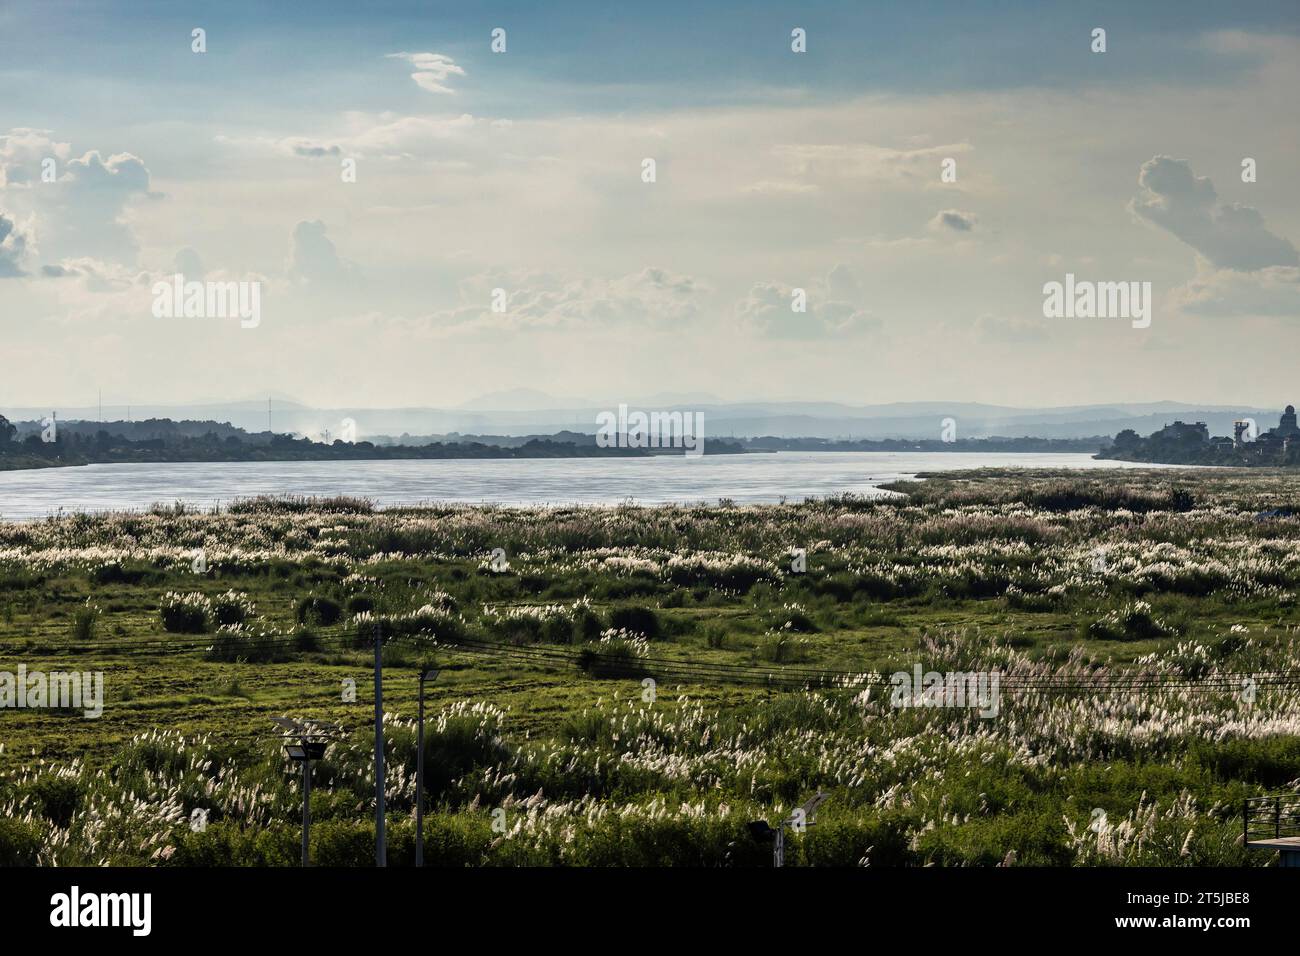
x=545 y=743
x=83 y=443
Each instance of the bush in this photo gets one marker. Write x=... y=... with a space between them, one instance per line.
x=782 y=648
x=638 y=620
x=235 y=642
x=425 y=622
x=58 y=797
x=1133 y=622
x=186 y=613
x=315 y=609
x=617 y=654
x=715 y=635
x=232 y=608
x=360 y=603
x=84 y=620
x=20 y=842
x=225 y=843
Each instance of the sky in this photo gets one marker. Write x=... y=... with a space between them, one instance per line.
x=499 y=231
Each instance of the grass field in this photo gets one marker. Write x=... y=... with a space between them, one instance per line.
x=632 y=696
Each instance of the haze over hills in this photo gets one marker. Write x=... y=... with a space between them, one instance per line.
x=523 y=412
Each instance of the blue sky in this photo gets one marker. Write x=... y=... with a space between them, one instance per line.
x=776 y=171
x=608 y=56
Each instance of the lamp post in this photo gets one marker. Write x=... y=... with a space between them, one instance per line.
x=427 y=675
x=305 y=741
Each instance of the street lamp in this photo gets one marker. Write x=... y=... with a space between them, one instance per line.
x=427 y=675
x=801 y=817
x=305 y=741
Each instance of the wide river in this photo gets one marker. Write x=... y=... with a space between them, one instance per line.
x=25 y=495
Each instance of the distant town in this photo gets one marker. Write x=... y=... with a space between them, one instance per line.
x=1183 y=443
x=53 y=443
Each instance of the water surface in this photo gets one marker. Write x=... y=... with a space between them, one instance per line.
x=742 y=478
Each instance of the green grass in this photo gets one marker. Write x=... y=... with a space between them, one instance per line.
x=979 y=571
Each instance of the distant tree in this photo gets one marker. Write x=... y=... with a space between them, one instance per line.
x=7 y=431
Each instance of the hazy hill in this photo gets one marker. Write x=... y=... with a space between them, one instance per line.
x=535 y=415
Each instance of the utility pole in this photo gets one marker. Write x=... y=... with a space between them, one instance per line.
x=306 y=812
x=427 y=674
x=381 y=843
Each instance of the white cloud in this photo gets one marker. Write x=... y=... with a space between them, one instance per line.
x=1271 y=291
x=313 y=257
x=1230 y=236
x=22 y=150
x=652 y=297
x=431 y=69
x=832 y=308
x=13 y=248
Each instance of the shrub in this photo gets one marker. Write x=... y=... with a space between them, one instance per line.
x=552 y=623
x=315 y=609
x=237 y=642
x=58 y=797
x=1133 y=622
x=360 y=603
x=20 y=842
x=426 y=622
x=638 y=620
x=793 y=617
x=232 y=608
x=617 y=654
x=186 y=613
x=84 y=620
x=782 y=648
x=715 y=635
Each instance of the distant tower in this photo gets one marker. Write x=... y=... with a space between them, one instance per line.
x=1239 y=428
x=1287 y=425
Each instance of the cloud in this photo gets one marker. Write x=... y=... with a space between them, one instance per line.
x=298 y=146
x=1228 y=236
x=22 y=150
x=96 y=275
x=81 y=209
x=832 y=309
x=121 y=174
x=13 y=248
x=954 y=220
x=313 y=257
x=1271 y=291
x=840 y=161
x=536 y=300
x=188 y=263
x=431 y=69
x=413 y=135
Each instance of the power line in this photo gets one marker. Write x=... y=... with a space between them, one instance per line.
x=782 y=676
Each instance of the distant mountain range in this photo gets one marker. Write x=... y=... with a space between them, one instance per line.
x=526 y=412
